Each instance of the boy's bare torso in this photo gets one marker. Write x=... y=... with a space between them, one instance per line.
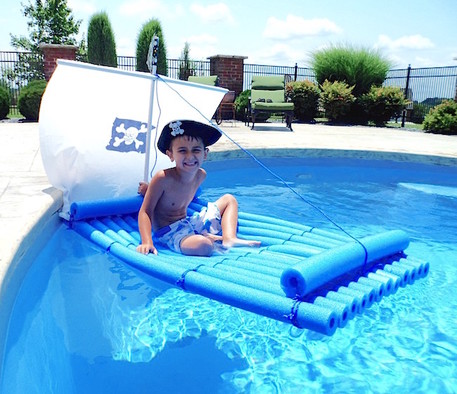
x=176 y=195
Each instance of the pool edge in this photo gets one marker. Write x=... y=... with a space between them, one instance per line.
x=40 y=231
x=236 y=153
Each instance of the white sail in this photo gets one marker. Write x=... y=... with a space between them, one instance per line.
x=93 y=123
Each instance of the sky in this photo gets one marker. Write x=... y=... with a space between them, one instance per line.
x=420 y=33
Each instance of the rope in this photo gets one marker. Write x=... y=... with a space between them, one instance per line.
x=292 y=316
x=108 y=249
x=182 y=280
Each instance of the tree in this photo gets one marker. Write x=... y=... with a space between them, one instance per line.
x=147 y=32
x=50 y=22
x=101 y=46
x=186 y=66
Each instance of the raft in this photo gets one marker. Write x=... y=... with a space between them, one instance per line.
x=313 y=278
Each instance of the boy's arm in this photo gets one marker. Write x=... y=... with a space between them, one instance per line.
x=153 y=194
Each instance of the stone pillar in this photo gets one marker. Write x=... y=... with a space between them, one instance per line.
x=230 y=70
x=52 y=52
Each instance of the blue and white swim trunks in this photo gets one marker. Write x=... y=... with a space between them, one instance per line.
x=207 y=221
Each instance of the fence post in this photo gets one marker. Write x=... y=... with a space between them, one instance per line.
x=229 y=70
x=296 y=72
x=455 y=95
x=406 y=95
x=52 y=52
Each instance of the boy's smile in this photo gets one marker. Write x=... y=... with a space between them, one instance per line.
x=187 y=152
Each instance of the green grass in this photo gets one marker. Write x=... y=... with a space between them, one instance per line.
x=396 y=125
x=408 y=125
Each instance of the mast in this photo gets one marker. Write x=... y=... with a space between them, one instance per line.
x=152 y=65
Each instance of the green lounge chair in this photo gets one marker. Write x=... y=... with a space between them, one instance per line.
x=268 y=96
x=210 y=80
x=227 y=105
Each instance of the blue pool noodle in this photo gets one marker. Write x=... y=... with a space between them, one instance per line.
x=319 y=269
x=98 y=208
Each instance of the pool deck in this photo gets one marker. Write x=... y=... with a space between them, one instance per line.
x=29 y=204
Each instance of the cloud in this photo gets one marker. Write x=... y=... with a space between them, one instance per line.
x=420 y=61
x=125 y=46
x=219 y=12
x=202 y=39
x=200 y=46
x=82 y=7
x=278 y=54
x=297 y=27
x=415 y=41
x=139 y=7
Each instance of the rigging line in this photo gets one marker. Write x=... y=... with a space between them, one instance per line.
x=278 y=177
x=286 y=184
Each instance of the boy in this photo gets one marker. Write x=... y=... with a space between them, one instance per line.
x=164 y=209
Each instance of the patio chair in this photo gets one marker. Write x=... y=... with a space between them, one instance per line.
x=268 y=96
x=210 y=80
x=226 y=108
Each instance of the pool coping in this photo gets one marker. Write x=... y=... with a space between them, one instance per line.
x=25 y=189
x=333 y=153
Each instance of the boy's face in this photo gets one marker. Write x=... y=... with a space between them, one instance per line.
x=188 y=152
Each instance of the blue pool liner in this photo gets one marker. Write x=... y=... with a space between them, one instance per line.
x=312 y=278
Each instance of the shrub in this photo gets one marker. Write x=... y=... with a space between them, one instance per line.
x=419 y=111
x=336 y=99
x=241 y=104
x=5 y=102
x=147 y=33
x=305 y=96
x=383 y=103
x=101 y=46
x=442 y=119
x=30 y=99
x=360 y=68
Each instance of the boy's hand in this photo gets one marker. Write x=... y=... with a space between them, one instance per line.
x=146 y=248
x=142 y=188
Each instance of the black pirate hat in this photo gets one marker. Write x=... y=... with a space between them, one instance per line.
x=207 y=133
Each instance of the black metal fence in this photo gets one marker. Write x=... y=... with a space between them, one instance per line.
x=425 y=87
x=127 y=63
x=198 y=67
x=16 y=69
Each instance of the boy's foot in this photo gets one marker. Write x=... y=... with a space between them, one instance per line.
x=240 y=242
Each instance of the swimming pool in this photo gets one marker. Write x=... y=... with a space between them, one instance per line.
x=85 y=322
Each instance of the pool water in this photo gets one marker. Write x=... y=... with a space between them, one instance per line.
x=85 y=322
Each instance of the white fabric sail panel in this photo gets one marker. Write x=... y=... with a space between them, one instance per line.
x=93 y=125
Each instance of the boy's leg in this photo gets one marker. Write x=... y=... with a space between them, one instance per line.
x=197 y=245
x=228 y=207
